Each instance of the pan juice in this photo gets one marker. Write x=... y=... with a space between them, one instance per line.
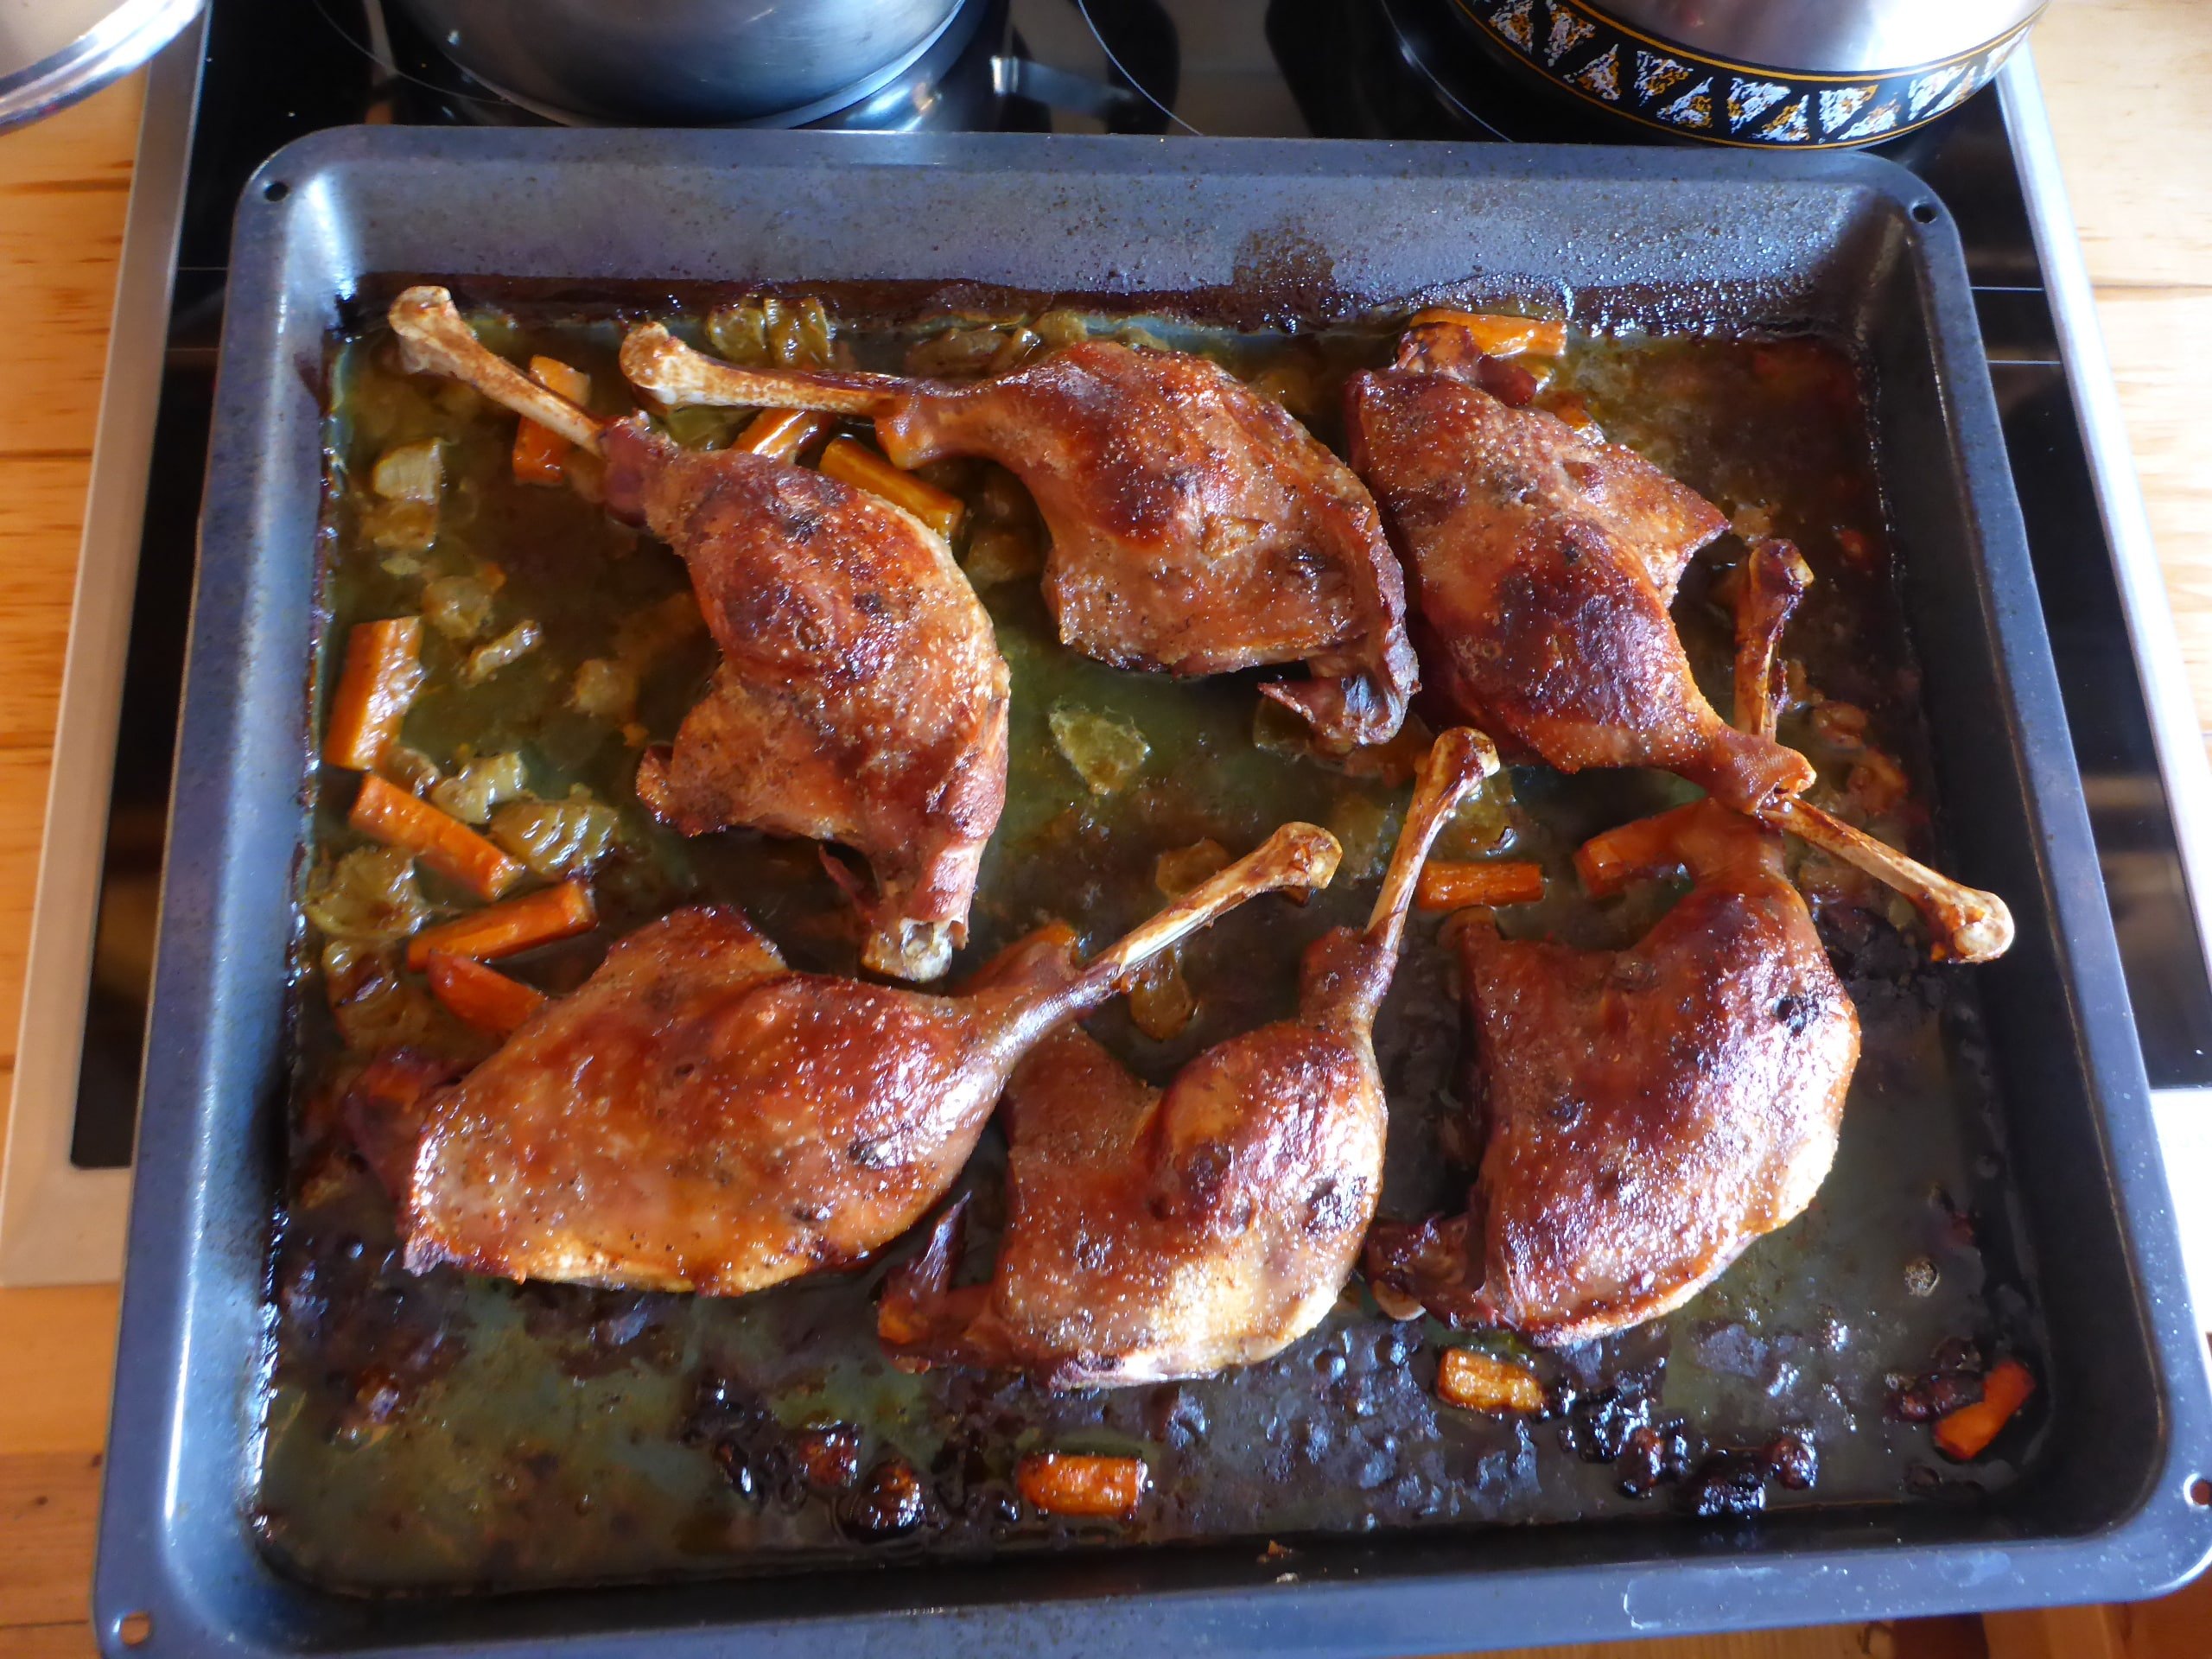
x=448 y=1432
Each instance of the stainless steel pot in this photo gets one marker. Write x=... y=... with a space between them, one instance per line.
x=1796 y=73
x=54 y=52
x=684 y=62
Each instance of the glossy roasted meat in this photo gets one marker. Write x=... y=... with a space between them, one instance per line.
x=1544 y=566
x=1650 y=1111
x=1154 y=1233
x=1196 y=528
x=698 y=1116
x=860 y=699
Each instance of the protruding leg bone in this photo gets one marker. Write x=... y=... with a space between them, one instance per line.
x=435 y=339
x=1454 y=767
x=1965 y=924
x=1296 y=855
x=1458 y=763
x=901 y=947
x=654 y=361
x=1775 y=577
x=916 y=951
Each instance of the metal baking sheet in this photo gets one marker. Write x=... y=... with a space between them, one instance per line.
x=1282 y=230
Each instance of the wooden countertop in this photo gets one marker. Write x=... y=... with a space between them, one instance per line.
x=2125 y=79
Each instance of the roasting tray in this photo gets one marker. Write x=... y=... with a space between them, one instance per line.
x=1270 y=230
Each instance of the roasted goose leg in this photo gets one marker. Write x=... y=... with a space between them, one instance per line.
x=698 y=1116
x=1650 y=1111
x=1196 y=527
x=1155 y=1235
x=1543 y=567
x=862 y=697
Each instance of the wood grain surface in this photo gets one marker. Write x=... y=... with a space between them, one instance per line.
x=2127 y=83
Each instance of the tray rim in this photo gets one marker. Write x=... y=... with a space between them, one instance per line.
x=2141 y=1552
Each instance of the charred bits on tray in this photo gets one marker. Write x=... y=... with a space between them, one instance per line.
x=1953 y=1379
x=1621 y=1424
x=1734 y=1481
x=732 y=1420
x=1727 y=1484
x=828 y=1455
x=1654 y=1454
x=762 y=1459
x=968 y=1485
x=889 y=1502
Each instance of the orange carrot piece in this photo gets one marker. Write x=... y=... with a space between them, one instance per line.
x=1500 y=336
x=480 y=996
x=861 y=466
x=562 y=380
x=1062 y=1482
x=1609 y=862
x=383 y=672
x=539 y=451
x=1967 y=1432
x=780 y=434
x=1475 y=1381
x=393 y=816
x=502 y=929
x=1446 y=885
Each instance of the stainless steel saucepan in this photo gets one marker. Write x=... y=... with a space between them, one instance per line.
x=684 y=62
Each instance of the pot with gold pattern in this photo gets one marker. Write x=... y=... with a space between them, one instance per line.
x=1763 y=74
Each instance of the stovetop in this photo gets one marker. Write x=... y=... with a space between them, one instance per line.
x=1326 y=68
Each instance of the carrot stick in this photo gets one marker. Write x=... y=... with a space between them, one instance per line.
x=780 y=434
x=1446 y=885
x=1061 y=1482
x=383 y=671
x=502 y=929
x=1475 y=1381
x=480 y=996
x=439 y=840
x=1609 y=862
x=561 y=380
x=1967 y=1432
x=859 y=466
x=1499 y=336
x=539 y=451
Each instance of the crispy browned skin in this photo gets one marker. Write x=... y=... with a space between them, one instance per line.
x=698 y=1116
x=1158 y=1234
x=1196 y=528
x=860 y=699
x=1544 y=568
x=1651 y=1111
